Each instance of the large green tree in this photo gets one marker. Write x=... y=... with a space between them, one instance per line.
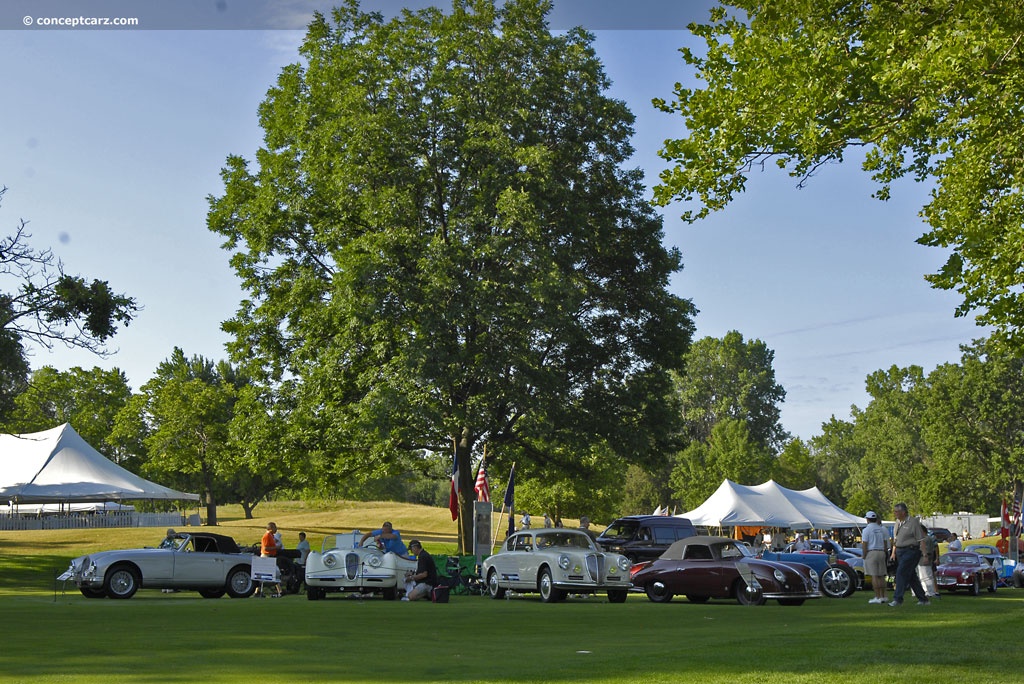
x=932 y=89
x=730 y=378
x=973 y=423
x=895 y=459
x=183 y=417
x=440 y=242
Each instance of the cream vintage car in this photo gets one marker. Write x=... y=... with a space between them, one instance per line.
x=556 y=562
x=211 y=564
x=343 y=565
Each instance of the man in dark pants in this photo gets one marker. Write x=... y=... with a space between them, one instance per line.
x=419 y=584
x=909 y=545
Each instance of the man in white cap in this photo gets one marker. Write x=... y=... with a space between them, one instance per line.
x=873 y=544
x=801 y=543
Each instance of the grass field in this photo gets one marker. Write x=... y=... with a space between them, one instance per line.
x=62 y=637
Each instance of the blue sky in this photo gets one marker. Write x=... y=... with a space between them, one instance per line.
x=111 y=140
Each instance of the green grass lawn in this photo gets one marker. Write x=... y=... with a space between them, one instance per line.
x=62 y=637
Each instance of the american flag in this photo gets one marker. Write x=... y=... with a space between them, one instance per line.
x=1015 y=513
x=482 y=488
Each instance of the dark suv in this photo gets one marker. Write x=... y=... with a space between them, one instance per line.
x=644 y=537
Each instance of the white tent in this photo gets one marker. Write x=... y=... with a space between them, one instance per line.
x=57 y=466
x=770 y=505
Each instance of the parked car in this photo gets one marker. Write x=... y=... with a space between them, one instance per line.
x=1003 y=566
x=941 y=534
x=644 y=537
x=837 y=577
x=702 y=568
x=343 y=565
x=965 y=570
x=211 y=564
x=556 y=562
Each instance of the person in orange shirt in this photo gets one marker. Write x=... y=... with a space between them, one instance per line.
x=268 y=549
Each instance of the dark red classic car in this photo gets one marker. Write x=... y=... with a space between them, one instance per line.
x=717 y=567
x=965 y=570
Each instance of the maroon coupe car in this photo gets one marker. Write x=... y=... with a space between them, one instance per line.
x=965 y=570
x=717 y=567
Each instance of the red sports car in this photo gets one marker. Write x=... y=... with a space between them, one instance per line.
x=717 y=567
x=965 y=570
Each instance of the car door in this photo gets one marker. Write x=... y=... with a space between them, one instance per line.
x=510 y=561
x=696 y=573
x=199 y=565
x=644 y=547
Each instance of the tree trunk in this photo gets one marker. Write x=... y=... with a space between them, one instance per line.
x=464 y=457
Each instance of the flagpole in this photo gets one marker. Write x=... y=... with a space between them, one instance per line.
x=505 y=502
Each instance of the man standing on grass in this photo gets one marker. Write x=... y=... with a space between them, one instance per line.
x=873 y=544
x=909 y=545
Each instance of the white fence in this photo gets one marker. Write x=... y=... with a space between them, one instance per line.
x=91 y=520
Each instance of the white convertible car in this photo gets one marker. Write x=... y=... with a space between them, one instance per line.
x=556 y=562
x=343 y=565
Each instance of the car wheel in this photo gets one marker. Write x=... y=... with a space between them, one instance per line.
x=746 y=596
x=791 y=602
x=994 y=585
x=692 y=598
x=838 y=582
x=240 y=584
x=617 y=595
x=549 y=593
x=493 y=588
x=88 y=592
x=211 y=593
x=657 y=592
x=976 y=587
x=390 y=594
x=122 y=581
x=315 y=593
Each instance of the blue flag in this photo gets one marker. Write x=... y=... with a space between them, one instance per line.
x=510 y=498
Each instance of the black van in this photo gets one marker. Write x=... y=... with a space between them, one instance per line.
x=644 y=537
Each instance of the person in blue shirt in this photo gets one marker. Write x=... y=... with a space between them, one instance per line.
x=389 y=537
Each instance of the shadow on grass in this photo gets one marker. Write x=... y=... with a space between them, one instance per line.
x=182 y=638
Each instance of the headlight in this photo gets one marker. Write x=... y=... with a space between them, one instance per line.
x=87 y=570
x=330 y=560
x=625 y=564
x=780 y=576
x=374 y=561
x=564 y=562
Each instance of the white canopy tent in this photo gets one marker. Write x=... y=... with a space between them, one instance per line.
x=770 y=505
x=58 y=466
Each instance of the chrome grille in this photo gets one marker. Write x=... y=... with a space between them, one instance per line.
x=595 y=566
x=352 y=565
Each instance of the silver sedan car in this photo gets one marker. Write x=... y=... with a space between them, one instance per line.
x=211 y=564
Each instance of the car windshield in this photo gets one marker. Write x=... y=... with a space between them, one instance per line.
x=959 y=559
x=621 y=529
x=570 y=540
x=734 y=550
x=171 y=543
